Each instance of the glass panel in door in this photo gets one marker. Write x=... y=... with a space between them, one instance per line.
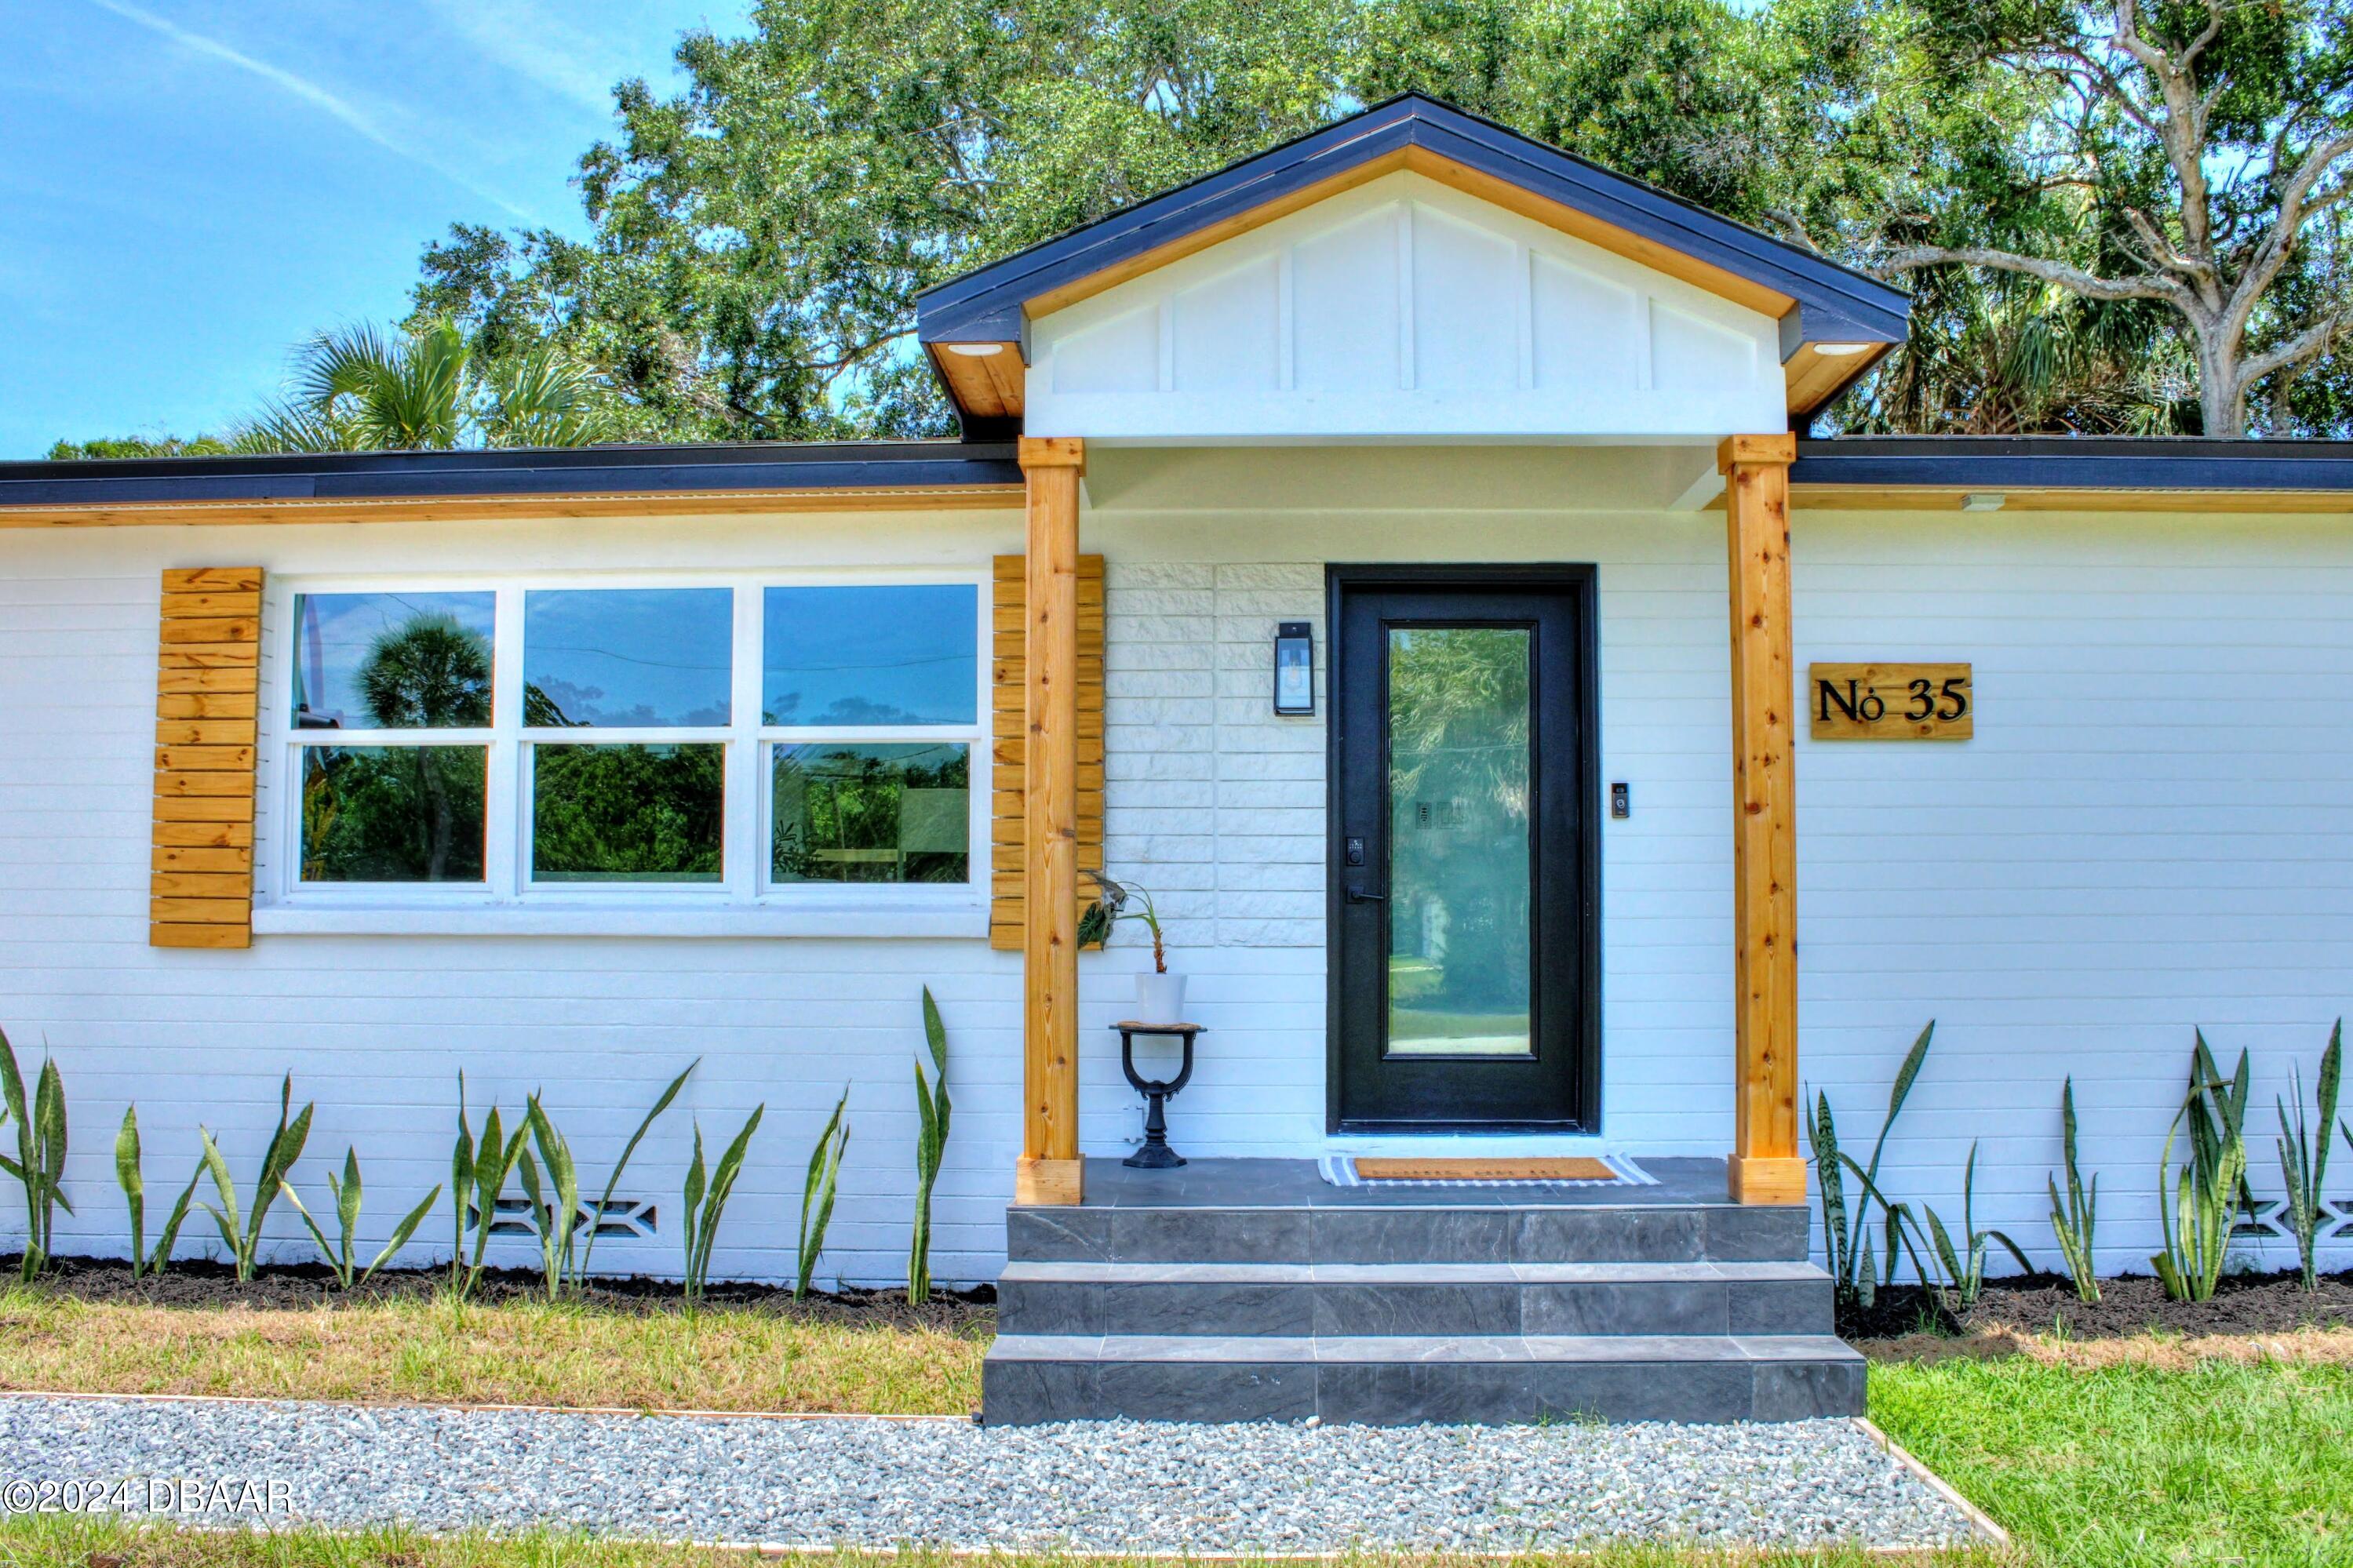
x=1460 y=860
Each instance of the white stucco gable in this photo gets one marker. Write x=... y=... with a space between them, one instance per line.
x=1403 y=309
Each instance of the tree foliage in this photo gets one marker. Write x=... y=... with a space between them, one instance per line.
x=138 y=447
x=2194 y=155
x=759 y=237
x=2118 y=214
x=358 y=388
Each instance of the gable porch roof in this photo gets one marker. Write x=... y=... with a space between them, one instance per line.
x=1818 y=302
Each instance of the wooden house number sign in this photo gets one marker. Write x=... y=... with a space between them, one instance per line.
x=1891 y=701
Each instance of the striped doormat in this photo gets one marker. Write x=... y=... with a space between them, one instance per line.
x=1388 y=1171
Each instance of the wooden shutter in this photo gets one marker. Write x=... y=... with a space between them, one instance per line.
x=1011 y=728
x=207 y=683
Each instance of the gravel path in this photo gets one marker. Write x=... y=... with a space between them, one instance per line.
x=1121 y=1486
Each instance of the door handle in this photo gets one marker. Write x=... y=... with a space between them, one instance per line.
x=1358 y=896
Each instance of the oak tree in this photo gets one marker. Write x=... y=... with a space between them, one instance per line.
x=2193 y=155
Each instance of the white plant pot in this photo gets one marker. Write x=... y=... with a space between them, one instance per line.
x=1159 y=998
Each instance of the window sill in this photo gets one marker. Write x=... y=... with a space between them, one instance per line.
x=833 y=918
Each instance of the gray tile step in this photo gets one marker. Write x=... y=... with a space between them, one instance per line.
x=1401 y=1380
x=1410 y=1299
x=1494 y=1230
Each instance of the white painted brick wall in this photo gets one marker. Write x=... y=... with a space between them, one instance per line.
x=1212 y=801
x=1244 y=896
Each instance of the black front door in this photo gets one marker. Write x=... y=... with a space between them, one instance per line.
x=1464 y=854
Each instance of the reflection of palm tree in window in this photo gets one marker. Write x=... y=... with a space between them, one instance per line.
x=541 y=711
x=428 y=673
x=432 y=673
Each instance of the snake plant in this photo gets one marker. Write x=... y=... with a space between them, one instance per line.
x=2073 y=1221
x=479 y=1169
x=1964 y=1266
x=2197 y=1208
x=817 y=1191
x=1846 y=1236
x=613 y=1181
x=242 y=1234
x=930 y=1142
x=346 y=1191
x=130 y=1173
x=2304 y=1161
x=554 y=1202
x=40 y=1163
x=706 y=1200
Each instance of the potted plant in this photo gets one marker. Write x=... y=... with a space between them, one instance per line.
x=1159 y=995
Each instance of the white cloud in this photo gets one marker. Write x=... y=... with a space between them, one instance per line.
x=525 y=39
x=351 y=116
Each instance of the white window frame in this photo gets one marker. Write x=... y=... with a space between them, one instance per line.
x=745 y=900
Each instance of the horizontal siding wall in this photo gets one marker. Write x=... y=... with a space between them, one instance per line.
x=2152 y=833
x=375 y=1028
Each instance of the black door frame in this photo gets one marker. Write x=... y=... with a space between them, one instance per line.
x=1577 y=581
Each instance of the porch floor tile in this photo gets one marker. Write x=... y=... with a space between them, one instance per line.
x=1296 y=1183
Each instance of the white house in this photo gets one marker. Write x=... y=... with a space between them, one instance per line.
x=726 y=752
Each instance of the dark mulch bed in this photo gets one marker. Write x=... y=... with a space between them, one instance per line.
x=203 y=1284
x=2132 y=1304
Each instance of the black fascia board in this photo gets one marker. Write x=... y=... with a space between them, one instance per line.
x=2074 y=462
x=985 y=305
x=507 y=472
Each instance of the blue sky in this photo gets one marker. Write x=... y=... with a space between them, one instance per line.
x=190 y=186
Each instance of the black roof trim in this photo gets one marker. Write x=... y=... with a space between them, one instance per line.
x=1990 y=463
x=2075 y=462
x=985 y=305
x=665 y=469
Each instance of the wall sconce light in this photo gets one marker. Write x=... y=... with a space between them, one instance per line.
x=1294 y=667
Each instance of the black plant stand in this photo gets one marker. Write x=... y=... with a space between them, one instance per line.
x=1155 y=1154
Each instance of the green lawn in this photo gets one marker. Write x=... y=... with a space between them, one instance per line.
x=2121 y=1467
x=411 y=1349
x=95 y=1544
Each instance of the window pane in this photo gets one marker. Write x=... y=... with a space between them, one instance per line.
x=1459 y=732
x=392 y=661
x=392 y=814
x=870 y=656
x=872 y=814
x=627 y=814
x=649 y=657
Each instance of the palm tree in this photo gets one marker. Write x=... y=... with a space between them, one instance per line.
x=359 y=389
x=2003 y=355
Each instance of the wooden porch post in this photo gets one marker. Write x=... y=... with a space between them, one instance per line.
x=1765 y=1167
x=1049 y=1171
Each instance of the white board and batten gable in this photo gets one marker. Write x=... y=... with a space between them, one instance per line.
x=1403 y=309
